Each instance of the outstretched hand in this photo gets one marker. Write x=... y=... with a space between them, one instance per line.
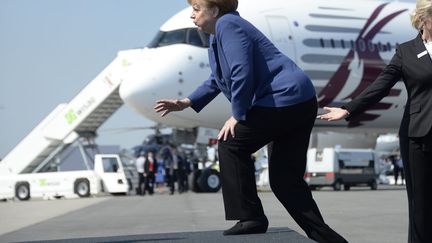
x=167 y=106
x=333 y=114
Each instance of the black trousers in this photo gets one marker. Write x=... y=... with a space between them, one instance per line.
x=396 y=172
x=149 y=183
x=172 y=180
x=288 y=130
x=141 y=184
x=417 y=160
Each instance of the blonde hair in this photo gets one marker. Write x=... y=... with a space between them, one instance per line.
x=423 y=10
x=224 y=6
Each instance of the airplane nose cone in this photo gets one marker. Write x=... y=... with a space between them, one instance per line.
x=129 y=89
x=162 y=73
x=130 y=85
x=136 y=86
x=142 y=79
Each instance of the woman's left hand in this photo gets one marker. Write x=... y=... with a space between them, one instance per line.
x=227 y=129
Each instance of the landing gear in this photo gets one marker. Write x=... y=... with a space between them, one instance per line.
x=207 y=180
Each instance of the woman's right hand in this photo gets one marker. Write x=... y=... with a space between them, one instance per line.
x=167 y=106
x=333 y=114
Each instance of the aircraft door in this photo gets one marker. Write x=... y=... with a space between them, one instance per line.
x=281 y=35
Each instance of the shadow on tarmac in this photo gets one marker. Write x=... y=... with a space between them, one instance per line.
x=272 y=235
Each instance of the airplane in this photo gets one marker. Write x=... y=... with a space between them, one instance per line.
x=341 y=45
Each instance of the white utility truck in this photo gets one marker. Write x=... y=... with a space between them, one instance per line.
x=23 y=172
x=341 y=166
x=107 y=176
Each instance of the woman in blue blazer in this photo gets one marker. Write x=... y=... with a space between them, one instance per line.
x=412 y=63
x=272 y=102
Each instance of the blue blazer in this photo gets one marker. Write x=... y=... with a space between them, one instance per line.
x=249 y=70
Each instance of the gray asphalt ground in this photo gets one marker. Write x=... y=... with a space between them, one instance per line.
x=360 y=215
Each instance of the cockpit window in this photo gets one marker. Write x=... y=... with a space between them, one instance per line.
x=194 y=38
x=168 y=38
x=189 y=36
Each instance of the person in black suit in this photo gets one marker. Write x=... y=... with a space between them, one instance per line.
x=412 y=63
x=149 y=173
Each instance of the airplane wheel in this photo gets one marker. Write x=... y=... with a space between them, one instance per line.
x=209 y=181
x=22 y=191
x=193 y=180
x=347 y=187
x=82 y=188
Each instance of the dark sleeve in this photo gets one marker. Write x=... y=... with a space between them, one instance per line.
x=205 y=93
x=380 y=88
x=238 y=49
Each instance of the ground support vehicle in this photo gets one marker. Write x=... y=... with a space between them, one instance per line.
x=107 y=177
x=341 y=167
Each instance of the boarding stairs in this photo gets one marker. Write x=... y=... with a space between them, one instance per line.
x=68 y=122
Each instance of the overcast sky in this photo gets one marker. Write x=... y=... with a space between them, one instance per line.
x=51 y=49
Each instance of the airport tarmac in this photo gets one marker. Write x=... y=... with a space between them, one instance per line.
x=360 y=215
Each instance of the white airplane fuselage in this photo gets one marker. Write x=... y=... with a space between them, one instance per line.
x=341 y=45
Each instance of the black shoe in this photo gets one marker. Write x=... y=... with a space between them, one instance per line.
x=255 y=226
